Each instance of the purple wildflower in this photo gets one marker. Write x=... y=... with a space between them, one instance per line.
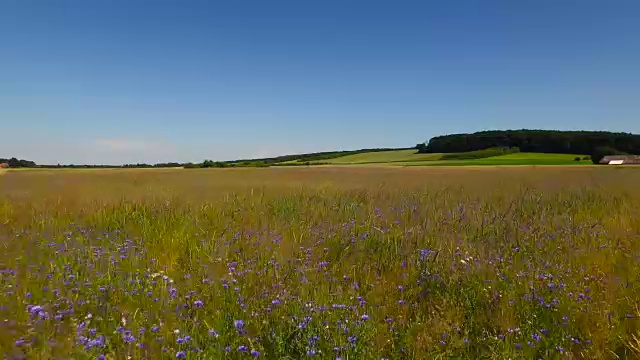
x=128 y=338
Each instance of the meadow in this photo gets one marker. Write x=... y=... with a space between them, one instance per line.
x=326 y=262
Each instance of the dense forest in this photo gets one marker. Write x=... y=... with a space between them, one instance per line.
x=543 y=141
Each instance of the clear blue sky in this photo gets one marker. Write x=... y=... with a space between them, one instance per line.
x=123 y=81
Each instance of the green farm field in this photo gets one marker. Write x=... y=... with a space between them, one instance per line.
x=411 y=158
x=383 y=157
x=509 y=159
x=326 y=262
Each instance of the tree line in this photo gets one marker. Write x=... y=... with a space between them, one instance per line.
x=544 y=141
x=128 y=166
x=17 y=163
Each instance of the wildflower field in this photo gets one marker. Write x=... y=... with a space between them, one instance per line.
x=326 y=262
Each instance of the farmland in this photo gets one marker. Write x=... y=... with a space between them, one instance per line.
x=509 y=159
x=327 y=262
x=384 y=157
x=412 y=158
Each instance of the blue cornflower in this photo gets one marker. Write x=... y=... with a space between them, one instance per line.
x=243 y=348
x=181 y=355
x=239 y=324
x=255 y=353
x=35 y=309
x=129 y=338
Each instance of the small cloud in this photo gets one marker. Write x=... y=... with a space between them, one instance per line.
x=272 y=151
x=132 y=151
x=127 y=145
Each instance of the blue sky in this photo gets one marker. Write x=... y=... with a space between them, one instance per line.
x=148 y=81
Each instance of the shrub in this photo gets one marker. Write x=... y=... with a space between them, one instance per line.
x=586 y=158
x=577 y=158
x=208 y=164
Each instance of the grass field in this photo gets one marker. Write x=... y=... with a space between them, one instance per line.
x=411 y=158
x=383 y=157
x=327 y=262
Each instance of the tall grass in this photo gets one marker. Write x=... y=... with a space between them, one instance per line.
x=323 y=262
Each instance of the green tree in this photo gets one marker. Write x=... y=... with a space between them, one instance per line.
x=602 y=151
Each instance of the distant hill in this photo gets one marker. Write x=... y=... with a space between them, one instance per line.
x=309 y=157
x=539 y=141
x=502 y=146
